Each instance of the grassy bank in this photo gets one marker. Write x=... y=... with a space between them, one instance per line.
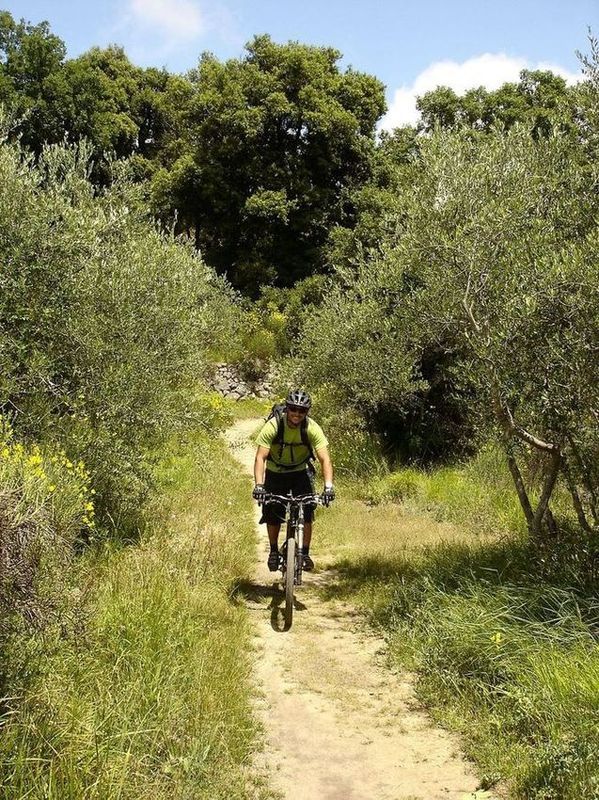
x=151 y=698
x=502 y=635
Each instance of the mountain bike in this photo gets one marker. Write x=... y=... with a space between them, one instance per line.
x=291 y=561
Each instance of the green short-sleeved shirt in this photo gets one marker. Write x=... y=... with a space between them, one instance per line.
x=293 y=451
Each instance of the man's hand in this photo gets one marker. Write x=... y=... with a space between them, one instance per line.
x=328 y=494
x=259 y=492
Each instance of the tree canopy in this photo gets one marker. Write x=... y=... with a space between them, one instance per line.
x=540 y=99
x=272 y=143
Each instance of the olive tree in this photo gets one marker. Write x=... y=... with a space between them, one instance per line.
x=501 y=240
x=106 y=326
x=488 y=271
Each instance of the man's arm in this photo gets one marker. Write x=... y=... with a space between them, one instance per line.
x=260 y=464
x=326 y=465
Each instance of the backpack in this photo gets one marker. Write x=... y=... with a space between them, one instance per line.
x=278 y=412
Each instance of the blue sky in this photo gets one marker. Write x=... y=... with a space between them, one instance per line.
x=410 y=46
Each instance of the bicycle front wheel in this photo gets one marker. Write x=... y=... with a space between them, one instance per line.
x=289 y=578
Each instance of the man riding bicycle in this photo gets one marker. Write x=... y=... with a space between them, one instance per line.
x=286 y=448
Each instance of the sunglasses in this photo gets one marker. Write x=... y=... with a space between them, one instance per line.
x=297 y=409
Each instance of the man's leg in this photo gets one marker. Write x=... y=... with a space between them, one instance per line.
x=273 y=537
x=273 y=534
x=308 y=563
x=307 y=534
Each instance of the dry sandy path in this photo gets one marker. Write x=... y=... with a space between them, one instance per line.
x=339 y=725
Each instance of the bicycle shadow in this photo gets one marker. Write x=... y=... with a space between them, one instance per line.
x=253 y=595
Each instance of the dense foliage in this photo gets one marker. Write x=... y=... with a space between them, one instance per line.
x=104 y=323
x=541 y=100
x=254 y=157
x=122 y=110
x=479 y=309
x=273 y=141
x=106 y=328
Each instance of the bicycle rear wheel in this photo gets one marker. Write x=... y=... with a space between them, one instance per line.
x=289 y=579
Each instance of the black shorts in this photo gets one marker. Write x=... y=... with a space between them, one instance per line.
x=299 y=482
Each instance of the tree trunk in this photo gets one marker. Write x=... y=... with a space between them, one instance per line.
x=576 y=501
x=521 y=492
x=587 y=481
x=550 y=522
x=548 y=486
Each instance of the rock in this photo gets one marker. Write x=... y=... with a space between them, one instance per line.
x=228 y=382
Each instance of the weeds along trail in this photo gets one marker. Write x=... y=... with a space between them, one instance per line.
x=151 y=698
x=339 y=725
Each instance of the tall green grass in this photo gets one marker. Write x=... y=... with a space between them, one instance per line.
x=151 y=699
x=248 y=407
x=501 y=632
x=478 y=493
x=514 y=666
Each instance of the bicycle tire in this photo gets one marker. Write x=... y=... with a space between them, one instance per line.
x=289 y=581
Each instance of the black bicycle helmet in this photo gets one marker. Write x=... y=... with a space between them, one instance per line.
x=297 y=397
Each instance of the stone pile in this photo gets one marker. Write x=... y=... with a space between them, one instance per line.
x=229 y=383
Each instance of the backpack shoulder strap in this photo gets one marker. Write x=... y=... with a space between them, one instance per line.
x=280 y=434
x=305 y=438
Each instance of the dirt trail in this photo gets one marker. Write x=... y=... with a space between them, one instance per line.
x=339 y=725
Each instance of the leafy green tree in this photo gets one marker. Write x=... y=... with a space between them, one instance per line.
x=93 y=95
x=30 y=55
x=374 y=207
x=540 y=99
x=441 y=106
x=274 y=140
x=493 y=268
x=502 y=238
x=100 y=96
x=120 y=108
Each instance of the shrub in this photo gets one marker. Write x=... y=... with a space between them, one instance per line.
x=106 y=325
x=46 y=506
x=398 y=486
x=354 y=450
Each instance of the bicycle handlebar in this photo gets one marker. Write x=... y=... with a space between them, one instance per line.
x=289 y=499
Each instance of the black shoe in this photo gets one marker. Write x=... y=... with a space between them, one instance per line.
x=273 y=561
x=307 y=564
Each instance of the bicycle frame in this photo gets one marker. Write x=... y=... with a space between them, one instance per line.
x=294 y=513
x=295 y=528
x=292 y=561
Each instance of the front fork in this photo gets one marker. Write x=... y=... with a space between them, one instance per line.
x=295 y=529
x=299 y=535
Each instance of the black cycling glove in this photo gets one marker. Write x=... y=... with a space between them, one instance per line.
x=328 y=495
x=259 y=492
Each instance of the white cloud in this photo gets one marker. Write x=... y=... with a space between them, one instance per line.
x=490 y=70
x=175 y=20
